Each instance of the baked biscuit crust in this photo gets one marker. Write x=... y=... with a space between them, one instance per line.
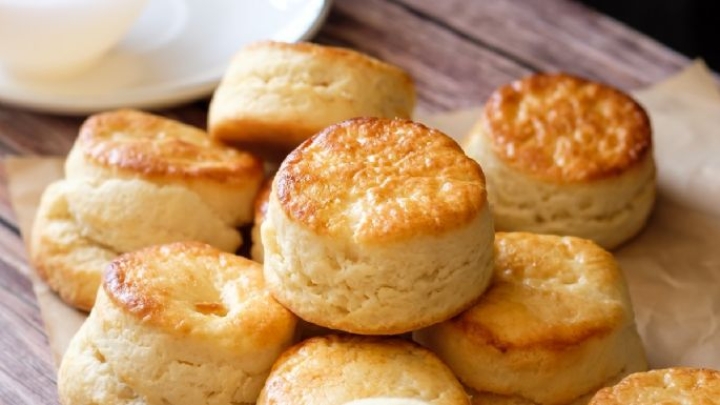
x=134 y=141
x=564 y=129
x=275 y=95
x=338 y=369
x=129 y=144
x=546 y=301
x=679 y=385
x=348 y=56
x=204 y=281
x=375 y=180
x=555 y=324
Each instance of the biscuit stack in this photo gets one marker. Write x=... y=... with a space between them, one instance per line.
x=373 y=225
x=133 y=180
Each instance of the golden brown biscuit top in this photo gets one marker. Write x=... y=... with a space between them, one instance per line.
x=337 y=369
x=153 y=145
x=374 y=180
x=331 y=54
x=548 y=292
x=565 y=129
x=194 y=289
x=681 y=385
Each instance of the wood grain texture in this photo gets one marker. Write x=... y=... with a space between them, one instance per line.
x=27 y=375
x=7 y=216
x=458 y=51
x=539 y=35
x=449 y=70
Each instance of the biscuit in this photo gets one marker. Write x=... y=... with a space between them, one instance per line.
x=135 y=180
x=378 y=226
x=275 y=95
x=261 y=202
x=182 y=323
x=679 y=385
x=566 y=156
x=129 y=144
x=555 y=324
x=339 y=369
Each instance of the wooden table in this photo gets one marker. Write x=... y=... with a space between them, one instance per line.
x=457 y=50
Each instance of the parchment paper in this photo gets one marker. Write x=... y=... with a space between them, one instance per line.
x=672 y=267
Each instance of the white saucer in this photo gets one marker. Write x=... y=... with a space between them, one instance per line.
x=176 y=52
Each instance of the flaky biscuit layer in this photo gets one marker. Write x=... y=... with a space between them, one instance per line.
x=82 y=224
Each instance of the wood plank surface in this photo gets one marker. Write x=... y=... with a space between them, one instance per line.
x=449 y=70
x=539 y=35
x=458 y=51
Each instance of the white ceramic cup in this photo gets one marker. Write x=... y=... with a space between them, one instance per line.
x=60 y=38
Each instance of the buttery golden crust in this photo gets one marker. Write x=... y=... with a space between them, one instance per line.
x=207 y=293
x=338 y=369
x=331 y=53
x=555 y=324
x=560 y=128
x=153 y=146
x=534 y=301
x=680 y=385
x=275 y=95
x=374 y=180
